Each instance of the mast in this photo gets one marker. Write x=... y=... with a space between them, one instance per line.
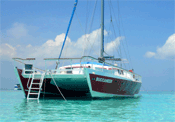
x=102 y=29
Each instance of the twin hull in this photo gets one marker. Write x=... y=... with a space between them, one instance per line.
x=91 y=84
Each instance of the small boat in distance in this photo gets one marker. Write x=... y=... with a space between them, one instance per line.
x=88 y=78
x=17 y=87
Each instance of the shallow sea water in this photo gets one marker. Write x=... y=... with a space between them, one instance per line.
x=149 y=107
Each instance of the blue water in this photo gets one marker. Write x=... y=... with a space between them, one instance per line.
x=150 y=107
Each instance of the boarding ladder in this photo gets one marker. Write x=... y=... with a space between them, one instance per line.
x=34 y=92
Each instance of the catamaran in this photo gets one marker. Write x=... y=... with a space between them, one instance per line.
x=89 y=78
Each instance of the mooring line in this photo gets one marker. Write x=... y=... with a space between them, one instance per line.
x=58 y=87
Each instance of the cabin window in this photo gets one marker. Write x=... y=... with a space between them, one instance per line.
x=28 y=67
x=119 y=71
x=70 y=71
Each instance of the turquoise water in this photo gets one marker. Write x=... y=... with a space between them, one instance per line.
x=151 y=106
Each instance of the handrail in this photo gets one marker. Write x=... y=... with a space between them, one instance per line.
x=60 y=58
x=80 y=61
x=16 y=59
x=91 y=58
x=110 y=64
x=28 y=81
x=24 y=59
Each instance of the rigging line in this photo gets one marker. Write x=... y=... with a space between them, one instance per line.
x=128 y=53
x=118 y=15
x=125 y=53
x=113 y=27
x=83 y=31
x=107 y=40
x=110 y=21
x=115 y=38
x=65 y=50
x=126 y=43
x=92 y=18
x=119 y=18
x=66 y=45
x=90 y=27
x=87 y=16
x=79 y=22
x=117 y=25
x=107 y=53
x=92 y=48
x=115 y=44
x=119 y=28
x=93 y=43
x=109 y=2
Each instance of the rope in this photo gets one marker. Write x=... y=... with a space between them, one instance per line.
x=110 y=6
x=87 y=39
x=124 y=35
x=126 y=44
x=113 y=27
x=107 y=40
x=119 y=29
x=66 y=47
x=82 y=30
x=90 y=27
x=86 y=27
x=115 y=45
x=58 y=87
x=92 y=19
x=93 y=44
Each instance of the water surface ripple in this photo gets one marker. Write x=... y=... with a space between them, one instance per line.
x=151 y=106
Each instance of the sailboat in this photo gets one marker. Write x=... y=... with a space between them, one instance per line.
x=89 y=78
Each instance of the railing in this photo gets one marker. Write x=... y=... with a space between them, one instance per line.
x=114 y=69
x=105 y=67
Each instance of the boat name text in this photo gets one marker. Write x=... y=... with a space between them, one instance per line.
x=104 y=80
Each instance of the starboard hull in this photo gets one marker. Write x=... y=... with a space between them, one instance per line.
x=86 y=86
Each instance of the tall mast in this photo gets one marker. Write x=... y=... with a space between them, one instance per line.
x=102 y=29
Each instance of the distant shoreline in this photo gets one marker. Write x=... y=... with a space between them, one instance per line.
x=9 y=89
